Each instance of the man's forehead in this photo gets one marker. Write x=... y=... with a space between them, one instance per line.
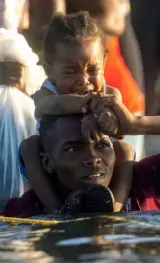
x=68 y=129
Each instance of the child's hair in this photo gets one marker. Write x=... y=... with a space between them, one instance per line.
x=65 y=28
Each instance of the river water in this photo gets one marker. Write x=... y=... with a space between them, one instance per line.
x=126 y=238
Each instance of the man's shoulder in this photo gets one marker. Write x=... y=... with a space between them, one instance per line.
x=148 y=164
x=145 y=191
x=146 y=174
x=25 y=206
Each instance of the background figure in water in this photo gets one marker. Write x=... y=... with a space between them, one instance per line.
x=16 y=108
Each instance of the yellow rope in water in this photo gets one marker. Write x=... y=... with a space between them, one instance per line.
x=114 y=219
x=14 y=220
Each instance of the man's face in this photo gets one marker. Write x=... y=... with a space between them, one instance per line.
x=110 y=14
x=77 y=162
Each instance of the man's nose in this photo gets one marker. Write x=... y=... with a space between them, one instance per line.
x=93 y=161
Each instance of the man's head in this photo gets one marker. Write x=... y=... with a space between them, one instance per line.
x=76 y=162
x=111 y=14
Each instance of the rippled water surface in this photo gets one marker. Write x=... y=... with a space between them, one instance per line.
x=122 y=238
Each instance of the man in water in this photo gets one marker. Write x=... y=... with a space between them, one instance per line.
x=74 y=164
x=71 y=162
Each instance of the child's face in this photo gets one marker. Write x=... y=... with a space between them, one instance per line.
x=78 y=66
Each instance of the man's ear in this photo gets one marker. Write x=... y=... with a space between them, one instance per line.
x=47 y=163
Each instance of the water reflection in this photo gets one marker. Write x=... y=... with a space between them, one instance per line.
x=125 y=238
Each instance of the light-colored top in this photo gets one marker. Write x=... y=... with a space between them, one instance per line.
x=48 y=85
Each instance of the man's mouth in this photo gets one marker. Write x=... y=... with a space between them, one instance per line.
x=94 y=178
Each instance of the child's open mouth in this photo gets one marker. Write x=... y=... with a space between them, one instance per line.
x=81 y=93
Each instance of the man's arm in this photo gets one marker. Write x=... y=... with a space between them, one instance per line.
x=123 y=172
x=48 y=103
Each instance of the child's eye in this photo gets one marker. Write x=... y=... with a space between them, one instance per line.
x=68 y=72
x=93 y=69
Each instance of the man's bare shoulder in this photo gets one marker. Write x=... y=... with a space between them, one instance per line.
x=148 y=168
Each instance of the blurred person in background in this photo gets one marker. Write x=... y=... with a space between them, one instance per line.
x=130 y=51
x=40 y=15
x=19 y=77
x=146 y=23
x=14 y=15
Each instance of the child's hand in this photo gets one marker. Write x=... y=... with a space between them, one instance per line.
x=101 y=106
x=86 y=103
x=125 y=118
x=103 y=100
x=90 y=129
x=113 y=92
x=107 y=121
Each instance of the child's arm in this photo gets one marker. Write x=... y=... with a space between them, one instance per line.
x=122 y=177
x=133 y=125
x=128 y=124
x=30 y=152
x=48 y=103
x=146 y=125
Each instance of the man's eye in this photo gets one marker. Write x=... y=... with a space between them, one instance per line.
x=71 y=149
x=104 y=145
